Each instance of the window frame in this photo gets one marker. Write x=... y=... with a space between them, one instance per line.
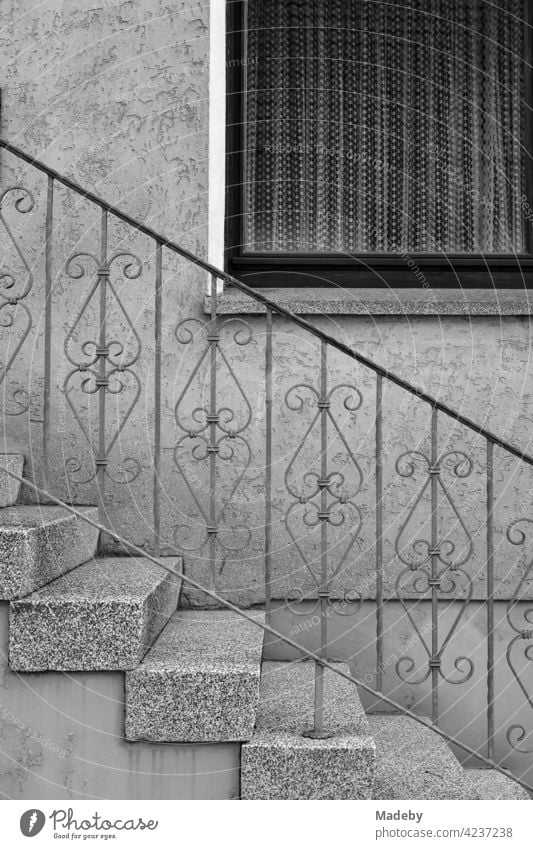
x=360 y=270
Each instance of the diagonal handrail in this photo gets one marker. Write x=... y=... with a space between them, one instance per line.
x=271 y=305
x=267 y=629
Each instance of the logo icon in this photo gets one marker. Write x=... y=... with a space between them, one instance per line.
x=32 y=822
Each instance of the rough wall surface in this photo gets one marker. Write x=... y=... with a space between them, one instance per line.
x=113 y=95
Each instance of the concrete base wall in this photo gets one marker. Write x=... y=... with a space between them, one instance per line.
x=61 y=737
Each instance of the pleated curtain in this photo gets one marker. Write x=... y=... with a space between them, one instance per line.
x=384 y=127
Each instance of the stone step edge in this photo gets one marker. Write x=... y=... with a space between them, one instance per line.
x=208 y=701
x=34 y=614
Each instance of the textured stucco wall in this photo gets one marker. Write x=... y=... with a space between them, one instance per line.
x=115 y=95
x=61 y=737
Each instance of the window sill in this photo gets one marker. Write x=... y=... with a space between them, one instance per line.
x=327 y=301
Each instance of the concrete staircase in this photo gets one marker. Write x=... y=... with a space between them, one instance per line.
x=188 y=678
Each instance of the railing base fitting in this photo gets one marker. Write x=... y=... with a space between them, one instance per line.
x=317 y=735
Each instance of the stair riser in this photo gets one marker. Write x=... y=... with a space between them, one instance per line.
x=38 y=544
x=293 y=767
x=199 y=683
x=191 y=708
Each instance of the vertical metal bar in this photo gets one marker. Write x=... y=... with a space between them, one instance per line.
x=268 y=465
x=323 y=591
x=379 y=532
x=490 y=599
x=244 y=128
x=434 y=572
x=528 y=118
x=48 y=330
x=103 y=274
x=213 y=339
x=157 y=397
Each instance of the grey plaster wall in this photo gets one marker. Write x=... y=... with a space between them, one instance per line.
x=61 y=737
x=114 y=95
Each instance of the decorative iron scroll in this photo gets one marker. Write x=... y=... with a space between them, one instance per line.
x=213 y=447
x=323 y=498
x=102 y=364
x=16 y=283
x=434 y=566
x=520 y=619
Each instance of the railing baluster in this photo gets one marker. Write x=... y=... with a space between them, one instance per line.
x=157 y=397
x=268 y=465
x=213 y=339
x=490 y=599
x=48 y=328
x=324 y=589
x=435 y=659
x=103 y=276
x=379 y=532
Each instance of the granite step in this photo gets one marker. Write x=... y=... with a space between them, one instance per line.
x=103 y=615
x=199 y=682
x=10 y=487
x=490 y=784
x=280 y=762
x=39 y=544
x=413 y=762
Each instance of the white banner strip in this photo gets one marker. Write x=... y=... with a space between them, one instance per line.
x=254 y=825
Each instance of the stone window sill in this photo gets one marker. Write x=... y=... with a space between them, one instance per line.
x=398 y=302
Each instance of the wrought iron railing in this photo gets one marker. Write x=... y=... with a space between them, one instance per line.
x=305 y=653
x=341 y=490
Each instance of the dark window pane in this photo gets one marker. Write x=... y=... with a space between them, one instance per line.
x=385 y=126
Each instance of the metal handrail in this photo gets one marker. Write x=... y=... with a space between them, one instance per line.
x=267 y=629
x=416 y=391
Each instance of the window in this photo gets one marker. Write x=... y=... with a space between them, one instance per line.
x=364 y=132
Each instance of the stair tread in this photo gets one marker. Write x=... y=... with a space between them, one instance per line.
x=199 y=682
x=287 y=699
x=218 y=640
x=491 y=784
x=35 y=516
x=104 y=614
x=414 y=762
x=101 y=579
